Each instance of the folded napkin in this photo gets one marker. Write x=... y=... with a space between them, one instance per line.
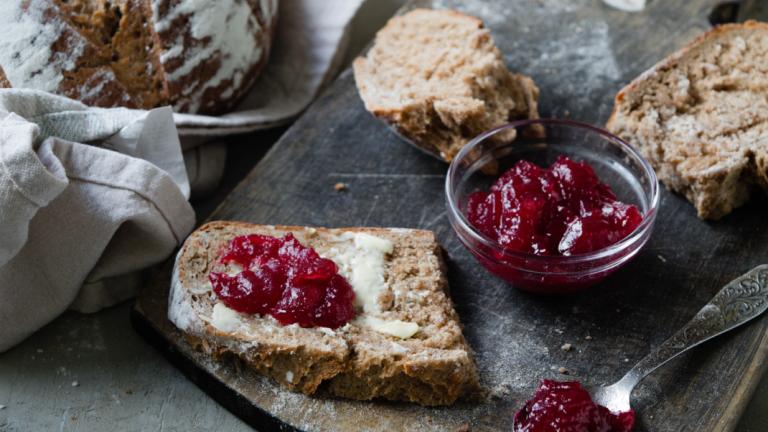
x=88 y=198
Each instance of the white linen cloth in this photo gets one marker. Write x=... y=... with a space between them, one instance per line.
x=79 y=221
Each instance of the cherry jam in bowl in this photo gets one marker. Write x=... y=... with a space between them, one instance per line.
x=552 y=146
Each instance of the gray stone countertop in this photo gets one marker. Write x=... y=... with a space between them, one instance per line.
x=94 y=373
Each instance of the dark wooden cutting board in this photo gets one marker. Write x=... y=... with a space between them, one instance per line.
x=580 y=53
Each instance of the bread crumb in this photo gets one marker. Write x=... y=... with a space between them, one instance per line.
x=75 y=383
x=559 y=331
x=464 y=427
x=566 y=347
x=562 y=370
x=339 y=187
x=626 y=360
x=2 y=407
x=588 y=337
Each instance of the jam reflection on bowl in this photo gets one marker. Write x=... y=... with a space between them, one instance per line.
x=568 y=205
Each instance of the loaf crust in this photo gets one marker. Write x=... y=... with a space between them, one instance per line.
x=433 y=367
x=212 y=73
x=199 y=57
x=700 y=117
x=438 y=78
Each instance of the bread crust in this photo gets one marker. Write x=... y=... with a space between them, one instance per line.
x=672 y=60
x=140 y=53
x=191 y=92
x=714 y=186
x=434 y=367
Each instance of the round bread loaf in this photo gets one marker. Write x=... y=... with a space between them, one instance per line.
x=199 y=56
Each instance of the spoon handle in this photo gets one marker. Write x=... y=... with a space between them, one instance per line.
x=741 y=300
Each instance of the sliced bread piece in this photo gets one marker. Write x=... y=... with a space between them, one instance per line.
x=700 y=116
x=361 y=360
x=437 y=77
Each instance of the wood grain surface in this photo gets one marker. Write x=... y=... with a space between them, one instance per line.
x=580 y=53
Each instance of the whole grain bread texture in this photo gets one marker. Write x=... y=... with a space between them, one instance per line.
x=438 y=78
x=433 y=367
x=199 y=57
x=700 y=117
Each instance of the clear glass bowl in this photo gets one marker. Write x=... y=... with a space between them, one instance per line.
x=541 y=141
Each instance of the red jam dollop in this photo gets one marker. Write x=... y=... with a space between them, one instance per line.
x=567 y=407
x=285 y=279
x=561 y=210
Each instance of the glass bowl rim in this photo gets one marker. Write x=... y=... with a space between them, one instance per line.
x=460 y=219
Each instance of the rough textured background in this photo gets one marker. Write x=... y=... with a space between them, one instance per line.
x=124 y=385
x=580 y=53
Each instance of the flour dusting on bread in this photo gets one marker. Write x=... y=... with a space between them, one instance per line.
x=198 y=56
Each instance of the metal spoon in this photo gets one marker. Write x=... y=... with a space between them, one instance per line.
x=743 y=299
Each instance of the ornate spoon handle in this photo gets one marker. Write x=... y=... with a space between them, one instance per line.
x=743 y=299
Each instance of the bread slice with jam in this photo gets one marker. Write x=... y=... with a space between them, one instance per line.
x=405 y=342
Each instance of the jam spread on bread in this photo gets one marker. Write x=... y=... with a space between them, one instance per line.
x=567 y=407
x=561 y=210
x=285 y=279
